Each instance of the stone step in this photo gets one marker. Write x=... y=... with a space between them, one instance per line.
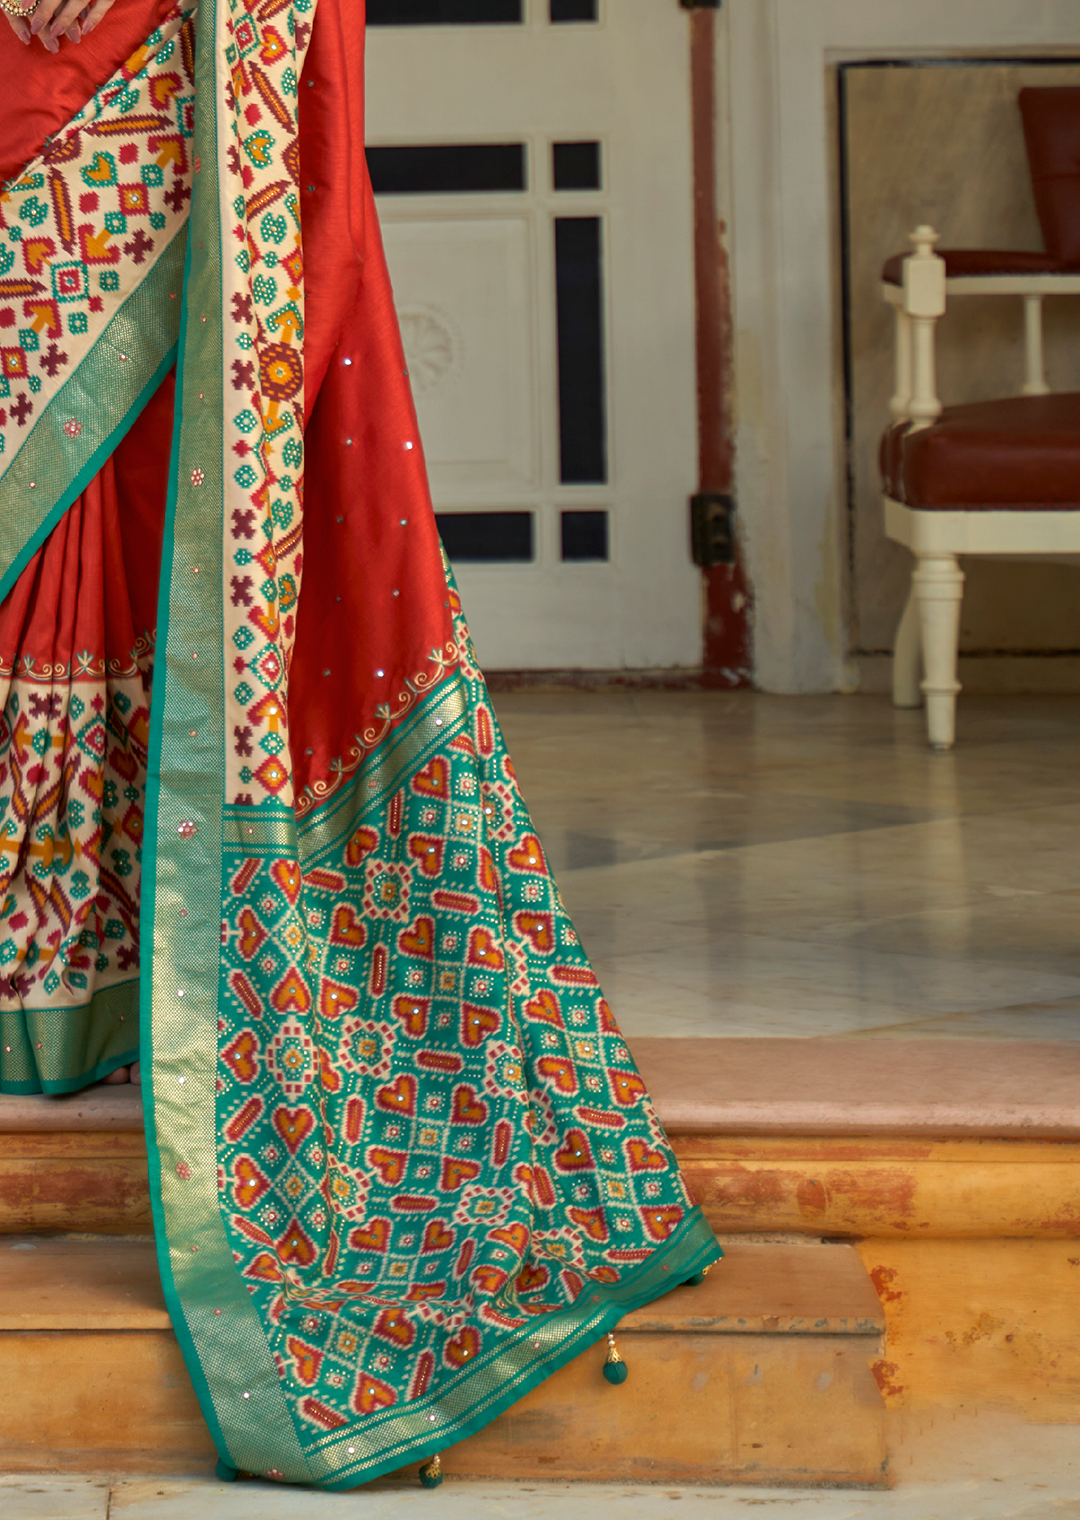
x=74 y=1163
x=79 y=1163
x=761 y=1375
x=952 y=1165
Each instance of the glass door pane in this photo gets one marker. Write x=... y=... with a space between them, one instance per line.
x=443 y=12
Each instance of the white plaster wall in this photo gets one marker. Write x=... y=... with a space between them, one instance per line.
x=777 y=87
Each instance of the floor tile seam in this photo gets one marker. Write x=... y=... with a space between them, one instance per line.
x=837 y=936
x=826 y=933
x=758 y=1014
x=627 y=961
x=763 y=848
x=764 y=1020
x=685 y=857
x=812 y=938
x=906 y=1024
x=621 y=985
x=761 y=1017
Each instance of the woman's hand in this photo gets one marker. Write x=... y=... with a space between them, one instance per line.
x=53 y=19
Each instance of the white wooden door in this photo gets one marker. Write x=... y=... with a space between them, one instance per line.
x=534 y=184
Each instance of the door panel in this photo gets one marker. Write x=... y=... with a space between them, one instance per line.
x=463 y=290
x=539 y=230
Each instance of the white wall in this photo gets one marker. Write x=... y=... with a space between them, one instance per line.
x=777 y=87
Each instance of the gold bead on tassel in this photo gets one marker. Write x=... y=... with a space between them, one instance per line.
x=431 y=1474
x=615 y=1369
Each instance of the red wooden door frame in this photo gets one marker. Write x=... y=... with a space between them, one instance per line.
x=727 y=601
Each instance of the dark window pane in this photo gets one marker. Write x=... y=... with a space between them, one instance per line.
x=579 y=295
x=575 y=166
x=486 y=537
x=442 y=12
x=584 y=535
x=447 y=168
x=573 y=10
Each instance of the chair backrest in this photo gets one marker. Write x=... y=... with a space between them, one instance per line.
x=1051 y=119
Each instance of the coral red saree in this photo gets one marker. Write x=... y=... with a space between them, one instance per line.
x=257 y=822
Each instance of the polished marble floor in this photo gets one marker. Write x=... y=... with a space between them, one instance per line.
x=750 y=865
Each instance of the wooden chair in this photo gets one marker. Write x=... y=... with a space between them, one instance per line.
x=1051 y=122
x=994 y=477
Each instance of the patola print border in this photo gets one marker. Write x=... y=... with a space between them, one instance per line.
x=393 y=1438
x=56 y=464
x=80 y=285
x=222 y=1338
x=193 y=834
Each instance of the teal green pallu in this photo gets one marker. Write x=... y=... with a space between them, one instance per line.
x=403 y=1166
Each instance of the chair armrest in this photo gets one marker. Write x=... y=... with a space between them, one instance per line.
x=983 y=263
x=957 y=272
x=1064 y=284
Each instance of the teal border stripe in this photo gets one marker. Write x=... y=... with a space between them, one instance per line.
x=220 y=1333
x=147 y=915
x=72 y=1084
x=43 y=455
x=101 y=1014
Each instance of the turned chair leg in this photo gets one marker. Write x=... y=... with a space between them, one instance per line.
x=907 y=655
x=939 y=589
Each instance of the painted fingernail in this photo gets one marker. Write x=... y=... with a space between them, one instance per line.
x=88 y=27
x=73 y=34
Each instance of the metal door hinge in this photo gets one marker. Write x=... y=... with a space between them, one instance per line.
x=712 y=529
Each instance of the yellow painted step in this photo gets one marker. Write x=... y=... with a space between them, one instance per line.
x=760 y=1375
x=75 y=1163
x=858 y=1138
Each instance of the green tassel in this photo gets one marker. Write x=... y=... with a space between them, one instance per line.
x=697 y=1279
x=431 y=1474
x=615 y=1369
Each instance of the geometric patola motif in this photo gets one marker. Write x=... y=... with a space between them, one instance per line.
x=424 y=1096
x=85 y=222
x=72 y=802
x=263 y=293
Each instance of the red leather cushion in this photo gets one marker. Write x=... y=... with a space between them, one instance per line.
x=1051 y=118
x=983 y=261
x=1052 y=131
x=1021 y=452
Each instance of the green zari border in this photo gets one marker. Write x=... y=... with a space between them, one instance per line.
x=222 y=1339
x=105 y=393
x=95 y=1027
